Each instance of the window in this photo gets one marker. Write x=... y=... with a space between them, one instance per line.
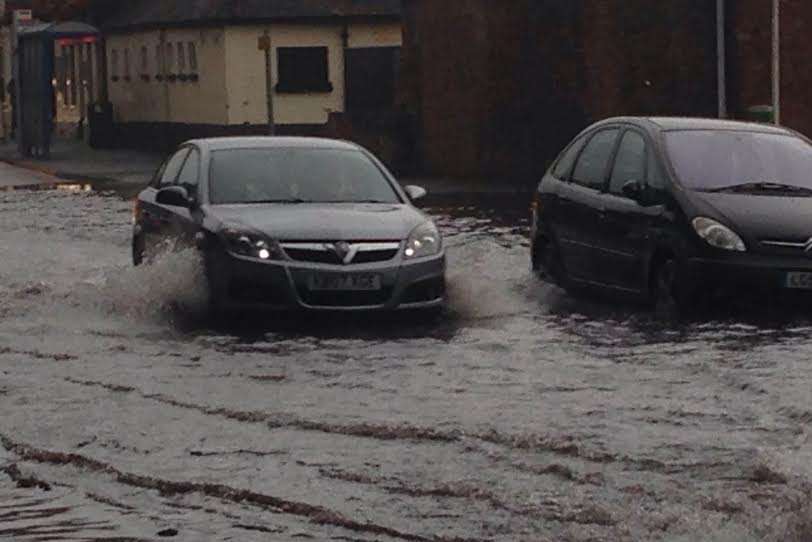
x=303 y=69
x=114 y=64
x=170 y=57
x=173 y=168
x=630 y=164
x=564 y=165
x=707 y=160
x=313 y=175
x=655 y=180
x=192 y=58
x=159 y=59
x=127 y=64
x=181 y=57
x=190 y=173
x=591 y=168
x=144 y=61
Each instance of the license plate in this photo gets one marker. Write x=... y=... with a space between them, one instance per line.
x=799 y=281
x=346 y=283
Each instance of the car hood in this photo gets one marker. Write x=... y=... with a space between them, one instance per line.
x=763 y=217
x=322 y=222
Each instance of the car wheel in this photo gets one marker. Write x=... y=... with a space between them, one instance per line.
x=546 y=261
x=216 y=285
x=668 y=295
x=138 y=250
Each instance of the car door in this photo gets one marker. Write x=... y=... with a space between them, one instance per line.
x=184 y=221
x=579 y=201
x=157 y=220
x=628 y=218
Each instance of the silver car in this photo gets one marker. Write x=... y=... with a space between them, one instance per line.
x=294 y=223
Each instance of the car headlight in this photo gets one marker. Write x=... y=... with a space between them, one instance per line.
x=252 y=245
x=425 y=240
x=718 y=235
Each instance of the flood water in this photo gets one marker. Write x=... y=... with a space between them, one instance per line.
x=521 y=415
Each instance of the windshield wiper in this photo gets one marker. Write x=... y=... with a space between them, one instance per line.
x=762 y=186
x=358 y=201
x=288 y=201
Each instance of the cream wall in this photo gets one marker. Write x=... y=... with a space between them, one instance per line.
x=375 y=35
x=232 y=89
x=245 y=65
x=200 y=102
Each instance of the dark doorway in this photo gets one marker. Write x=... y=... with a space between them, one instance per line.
x=371 y=78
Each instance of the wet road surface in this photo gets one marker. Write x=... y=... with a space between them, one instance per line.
x=522 y=415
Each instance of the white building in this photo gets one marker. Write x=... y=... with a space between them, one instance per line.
x=196 y=67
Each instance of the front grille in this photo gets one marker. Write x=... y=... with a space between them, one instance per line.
x=313 y=256
x=425 y=291
x=342 y=253
x=345 y=299
x=788 y=248
x=374 y=256
x=257 y=292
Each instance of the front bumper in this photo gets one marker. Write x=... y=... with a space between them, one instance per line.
x=745 y=273
x=245 y=283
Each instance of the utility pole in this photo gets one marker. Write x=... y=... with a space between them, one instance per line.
x=20 y=18
x=265 y=45
x=721 y=53
x=777 y=61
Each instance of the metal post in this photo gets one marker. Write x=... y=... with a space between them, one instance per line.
x=269 y=80
x=721 y=52
x=16 y=72
x=777 y=61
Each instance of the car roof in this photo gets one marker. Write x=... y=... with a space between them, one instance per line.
x=272 y=142
x=667 y=124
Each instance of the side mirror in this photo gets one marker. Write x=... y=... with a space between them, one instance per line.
x=632 y=190
x=415 y=192
x=174 y=196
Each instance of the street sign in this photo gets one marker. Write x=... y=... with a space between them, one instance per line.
x=23 y=15
x=264 y=43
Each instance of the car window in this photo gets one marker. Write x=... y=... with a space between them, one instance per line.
x=630 y=163
x=173 y=168
x=710 y=160
x=590 y=171
x=189 y=175
x=297 y=175
x=656 y=179
x=159 y=173
x=564 y=165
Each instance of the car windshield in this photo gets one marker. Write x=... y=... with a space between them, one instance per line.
x=717 y=160
x=291 y=175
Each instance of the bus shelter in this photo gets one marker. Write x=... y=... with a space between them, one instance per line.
x=35 y=64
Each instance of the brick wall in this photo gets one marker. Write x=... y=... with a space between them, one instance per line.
x=796 y=70
x=749 y=67
x=499 y=91
x=750 y=59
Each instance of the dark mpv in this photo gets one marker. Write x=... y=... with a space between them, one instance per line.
x=671 y=209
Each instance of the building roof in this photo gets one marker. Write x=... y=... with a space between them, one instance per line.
x=71 y=29
x=156 y=13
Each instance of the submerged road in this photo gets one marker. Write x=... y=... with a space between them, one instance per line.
x=522 y=415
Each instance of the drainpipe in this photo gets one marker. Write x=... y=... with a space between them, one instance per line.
x=345 y=45
x=777 y=61
x=721 y=53
x=165 y=84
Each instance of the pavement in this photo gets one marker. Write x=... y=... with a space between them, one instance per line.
x=127 y=169
x=76 y=161
x=11 y=177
